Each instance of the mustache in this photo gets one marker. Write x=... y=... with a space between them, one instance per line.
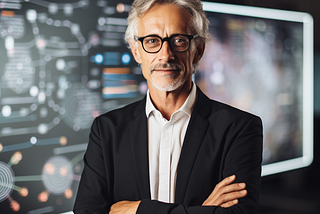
x=166 y=65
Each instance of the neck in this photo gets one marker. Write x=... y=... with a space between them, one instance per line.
x=167 y=102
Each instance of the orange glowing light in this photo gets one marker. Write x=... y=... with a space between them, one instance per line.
x=120 y=8
x=68 y=194
x=23 y=191
x=1 y=147
x=49 y=168
x=41 y=43
x=43 y=197
x=63 y=141
x=63 y=171
x=7 y=13
x=15 y=206
x=16 y=158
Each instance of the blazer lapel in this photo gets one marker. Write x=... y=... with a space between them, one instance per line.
x=139 y=146
x=194 y=136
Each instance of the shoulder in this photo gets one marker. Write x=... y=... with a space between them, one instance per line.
x=218 y=111
x=124 y=114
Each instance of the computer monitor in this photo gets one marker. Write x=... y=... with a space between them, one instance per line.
x=261 y=60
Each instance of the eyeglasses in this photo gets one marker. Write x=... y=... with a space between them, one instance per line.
x=177 y=42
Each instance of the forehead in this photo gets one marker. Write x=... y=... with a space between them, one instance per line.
x=165 y=19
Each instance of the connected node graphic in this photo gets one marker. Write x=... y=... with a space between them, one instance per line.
x=55 y=78
x=6 y=181
x=57 y=175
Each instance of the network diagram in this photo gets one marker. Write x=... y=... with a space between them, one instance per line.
x=62 y=63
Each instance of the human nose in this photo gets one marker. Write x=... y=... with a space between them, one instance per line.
x=166 y=54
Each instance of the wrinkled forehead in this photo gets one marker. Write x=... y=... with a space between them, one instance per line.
x=165 y=18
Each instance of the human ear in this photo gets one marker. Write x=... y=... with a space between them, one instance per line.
x=200 y=47
x=135 y=51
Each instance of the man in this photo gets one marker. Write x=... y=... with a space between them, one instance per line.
x=176 y=151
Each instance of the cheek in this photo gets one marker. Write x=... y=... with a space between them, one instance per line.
x=188 y=62
x=145 y=71
x=148 y=60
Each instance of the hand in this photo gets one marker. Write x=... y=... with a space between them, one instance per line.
x=124 y=207
x=226 y=194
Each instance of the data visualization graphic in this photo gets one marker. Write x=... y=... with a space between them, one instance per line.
x=62 y=63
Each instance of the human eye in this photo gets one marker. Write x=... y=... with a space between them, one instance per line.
x=152 y=41
x=180 y=40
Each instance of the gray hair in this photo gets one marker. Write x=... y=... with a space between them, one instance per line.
x=199 y=21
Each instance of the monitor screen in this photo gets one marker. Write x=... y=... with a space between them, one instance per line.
x=261 y=60
x=63 y=63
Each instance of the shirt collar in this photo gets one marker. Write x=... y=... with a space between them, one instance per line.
x=187 y=106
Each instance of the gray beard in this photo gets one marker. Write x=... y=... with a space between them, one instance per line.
x=171 y=86
x=175 y=84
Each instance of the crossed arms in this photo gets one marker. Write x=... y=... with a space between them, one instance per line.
x=115 y=175
x=225 y=194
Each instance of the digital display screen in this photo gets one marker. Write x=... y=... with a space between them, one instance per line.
x=63 y=63
x=261 y=61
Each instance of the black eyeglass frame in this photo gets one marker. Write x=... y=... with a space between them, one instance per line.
x=190 y=37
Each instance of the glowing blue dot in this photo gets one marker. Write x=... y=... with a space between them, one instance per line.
x=98 y=58
x=126 y=58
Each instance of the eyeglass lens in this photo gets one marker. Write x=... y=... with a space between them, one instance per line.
x=178 y=43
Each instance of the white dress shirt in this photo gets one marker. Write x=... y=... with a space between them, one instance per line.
x=165 y=139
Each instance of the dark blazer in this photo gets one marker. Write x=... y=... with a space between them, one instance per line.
x=220 y=141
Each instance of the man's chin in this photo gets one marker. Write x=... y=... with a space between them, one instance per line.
x=168 y=87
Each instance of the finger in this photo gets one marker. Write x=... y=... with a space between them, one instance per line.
x=221 y=191
x=229 y=203
x=232 y=196
x=225 y=198
x=232 y=188
x=226 y=181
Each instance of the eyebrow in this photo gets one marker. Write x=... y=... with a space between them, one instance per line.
x=174 y=34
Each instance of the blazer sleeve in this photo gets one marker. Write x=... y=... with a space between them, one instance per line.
x=243 y=157
x=92 y=196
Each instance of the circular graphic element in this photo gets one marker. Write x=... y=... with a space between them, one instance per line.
x=126 y=58
x=57 y=175
x=98 y=58
x=82 y=106
x=6 y=181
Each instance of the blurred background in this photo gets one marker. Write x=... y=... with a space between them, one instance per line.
x=62 y=63
x=295 y=191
